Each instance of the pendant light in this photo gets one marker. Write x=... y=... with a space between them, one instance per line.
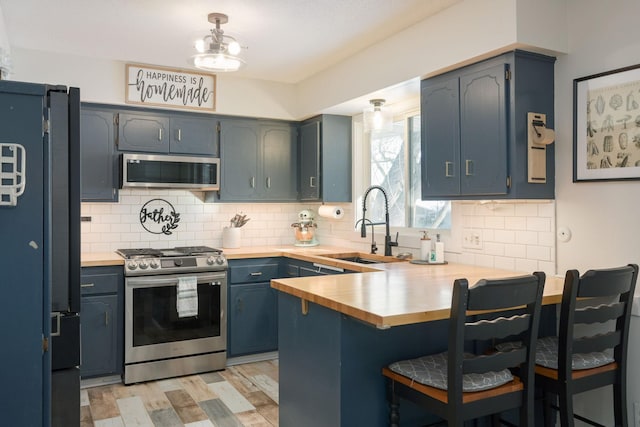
x=218 y=52
x=377 y=118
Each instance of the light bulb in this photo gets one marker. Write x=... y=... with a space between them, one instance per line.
x=234 y=48
x=200 y=45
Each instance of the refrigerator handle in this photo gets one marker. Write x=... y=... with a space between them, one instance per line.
x=55 y=332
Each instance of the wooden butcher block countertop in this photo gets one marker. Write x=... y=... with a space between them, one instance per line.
x=384 y=294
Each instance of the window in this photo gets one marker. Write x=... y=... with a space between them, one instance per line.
x=395 y=166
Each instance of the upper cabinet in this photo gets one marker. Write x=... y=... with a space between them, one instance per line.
x=258 y=160
x=99 y=164
x=474 y=128
x=174 y=133
x=325 y=159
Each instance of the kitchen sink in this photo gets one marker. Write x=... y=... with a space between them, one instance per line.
x=363 y=258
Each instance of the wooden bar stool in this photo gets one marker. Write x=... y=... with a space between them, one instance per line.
x=459 y=386
x=573 y=363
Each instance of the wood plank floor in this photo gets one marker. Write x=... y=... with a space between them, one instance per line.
x=239 y=396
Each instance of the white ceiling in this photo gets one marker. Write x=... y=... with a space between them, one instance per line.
x=288 y=40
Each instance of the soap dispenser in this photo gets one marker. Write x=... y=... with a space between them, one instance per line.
x=425 y=246
x=439 y=251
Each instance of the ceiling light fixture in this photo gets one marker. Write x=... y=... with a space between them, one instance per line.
x=377 y=118
x=218 y=52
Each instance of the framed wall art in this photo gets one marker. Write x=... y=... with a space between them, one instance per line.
x=606 y=125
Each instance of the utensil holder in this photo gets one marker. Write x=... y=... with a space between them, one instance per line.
x=231 y=237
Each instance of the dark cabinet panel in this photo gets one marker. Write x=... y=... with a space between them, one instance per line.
x=102 y=321
x=194 y=135
x=99 y=162
x=474 y=128
x=99 y=336
x=325 y=159
x=253 y=319
x=143 y=132
x=259 y=161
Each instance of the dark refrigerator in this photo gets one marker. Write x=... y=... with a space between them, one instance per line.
x=40 y=254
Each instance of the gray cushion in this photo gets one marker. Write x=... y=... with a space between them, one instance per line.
x=431 y=370
x=547 y=354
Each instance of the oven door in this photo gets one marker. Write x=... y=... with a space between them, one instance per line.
x=153 y=329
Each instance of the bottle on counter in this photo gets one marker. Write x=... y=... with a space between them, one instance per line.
x=439 y=251
x=425 y=247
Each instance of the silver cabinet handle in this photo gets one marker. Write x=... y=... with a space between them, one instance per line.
x=106 y=318
x=312 y=181
x=447 y=169
x=87 y=285
x=256 y=273
x=160 y=134
x=269 y=182
x=252 y=182
x=179 y=135
x=468 y=167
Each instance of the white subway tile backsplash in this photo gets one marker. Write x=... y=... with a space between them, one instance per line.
x=515 y=223
x=527 y=209
x=505 y=263
x=538 y=224
x=516 y=251
x=117 y=225
x=495 y=222
x=503 y=236
x=527 y=237
x=526 y=265
x=541 y=253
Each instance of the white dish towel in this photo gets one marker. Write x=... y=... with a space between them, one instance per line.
x=187 y=297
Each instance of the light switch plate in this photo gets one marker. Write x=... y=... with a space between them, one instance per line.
x=472 y=238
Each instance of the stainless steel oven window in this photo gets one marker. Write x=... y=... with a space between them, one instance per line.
x=153 y=329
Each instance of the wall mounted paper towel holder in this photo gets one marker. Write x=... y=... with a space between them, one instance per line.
x=538 y=137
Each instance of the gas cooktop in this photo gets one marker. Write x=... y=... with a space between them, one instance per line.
x=184 y=259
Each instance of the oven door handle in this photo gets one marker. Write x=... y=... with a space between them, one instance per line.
x=214 y=279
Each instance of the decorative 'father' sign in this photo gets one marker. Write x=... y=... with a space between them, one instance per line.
x=158 y=216
x=162 y=86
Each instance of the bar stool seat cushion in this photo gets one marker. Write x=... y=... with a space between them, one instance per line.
x=431 y=370
x=547 y=355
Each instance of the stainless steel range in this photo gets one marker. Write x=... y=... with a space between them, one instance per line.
x=175 y=312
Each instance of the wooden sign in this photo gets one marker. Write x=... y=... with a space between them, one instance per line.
x=161 y=86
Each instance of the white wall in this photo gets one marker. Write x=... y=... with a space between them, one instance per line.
x=603 y=216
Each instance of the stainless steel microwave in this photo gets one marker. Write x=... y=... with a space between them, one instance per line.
x=168 y=171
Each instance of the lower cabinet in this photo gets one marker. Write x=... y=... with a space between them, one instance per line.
x=252 y=306
x=253 y=319
x=101 y=321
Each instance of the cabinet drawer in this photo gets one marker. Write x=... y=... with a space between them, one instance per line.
x=253 y=273
x=99 y=283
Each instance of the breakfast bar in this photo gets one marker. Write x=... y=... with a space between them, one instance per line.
x=336 y=332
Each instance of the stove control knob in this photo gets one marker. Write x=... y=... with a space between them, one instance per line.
x=219 y=260
x=177 y=262
x=132 y=265
x=143 y=264
x=210 y=260
x=154 y=263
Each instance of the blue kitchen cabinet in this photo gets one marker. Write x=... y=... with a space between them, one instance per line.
x=474 y=128
x=99 y=164
x=167 y=133
x=141 y=131
x=196 y=135
x=252 y=306
x=325 y=159
x=258 y=161
x=101 y=327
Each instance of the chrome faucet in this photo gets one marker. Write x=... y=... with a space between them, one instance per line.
x=363 y=227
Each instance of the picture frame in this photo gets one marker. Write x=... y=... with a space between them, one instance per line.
x=606 y=126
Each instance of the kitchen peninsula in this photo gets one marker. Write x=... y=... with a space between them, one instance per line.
x=336 y=332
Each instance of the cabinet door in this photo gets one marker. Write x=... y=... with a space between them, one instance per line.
x=310 y=161
x=253 y=319
x=98 y=334
x=279 y=162
x=194 y=135
x=440 y=141
x=97 y=144
x=239 y=152
x=143 y=132
x=483 y=130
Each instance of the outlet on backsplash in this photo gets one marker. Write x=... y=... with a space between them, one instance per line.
x=472 y=238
